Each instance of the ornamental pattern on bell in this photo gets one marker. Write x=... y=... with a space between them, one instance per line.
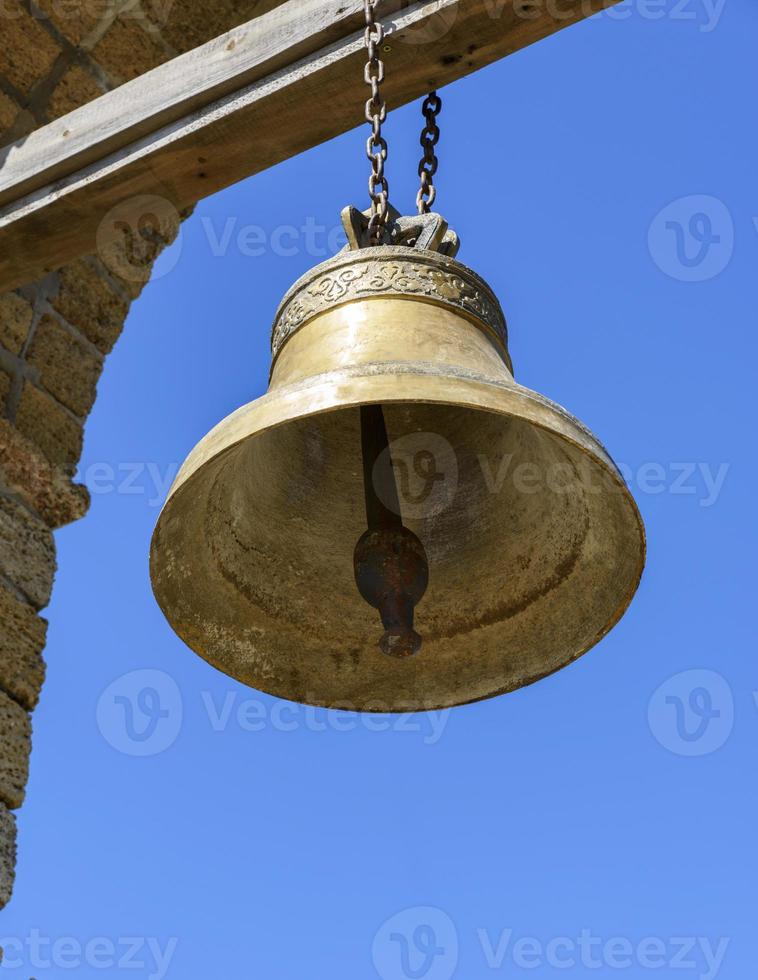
x=382 y=277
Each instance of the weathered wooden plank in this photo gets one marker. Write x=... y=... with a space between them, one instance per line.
x=187 y=83
x=272 y=88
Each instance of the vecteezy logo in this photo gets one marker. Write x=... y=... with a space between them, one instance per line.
x=140 y=713
x=692 y=713
x=692 y=239
x=134 y=232
x=431 y=27
x=425 y=468
x=418 y=944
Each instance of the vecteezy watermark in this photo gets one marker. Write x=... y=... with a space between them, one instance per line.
x=417 y=943
x=692 y=238
x=422 y=943
x=141 y=714
x=285 y=241
x=134 y=232
x=704 y=481
x=132 y=479
x=426 y=470
x=38 y=952
x=591 y=952
x=700 y=480
x=425 y=467
x=432 y=26
x=703 y=14
x=692 y=713
x=256 y=715
x=99 y=12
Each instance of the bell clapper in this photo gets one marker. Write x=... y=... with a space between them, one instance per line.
x=391 y=567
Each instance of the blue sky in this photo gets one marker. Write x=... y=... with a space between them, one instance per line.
x=604 y=183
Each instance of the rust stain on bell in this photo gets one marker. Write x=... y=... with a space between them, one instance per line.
x=509 y=543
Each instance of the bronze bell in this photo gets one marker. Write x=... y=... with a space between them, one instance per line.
x=493 y=530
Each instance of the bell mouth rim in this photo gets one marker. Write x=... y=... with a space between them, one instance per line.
x=309 y=398
x=326 y=394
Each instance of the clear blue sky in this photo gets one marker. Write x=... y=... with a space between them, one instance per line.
x=604 y=182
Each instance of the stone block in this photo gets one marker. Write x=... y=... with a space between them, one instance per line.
x=67 y=368
x=27 y=52
x=127 y=49
x=16 y=315
x=15 y=747
x=22 y=637
x=27 y=551
x=88 y=302
x=75 y=19
x=5 y=387
x=8 y=112
x=76 y=88
x=7 y=854
x=45 y=488
x=50 y=427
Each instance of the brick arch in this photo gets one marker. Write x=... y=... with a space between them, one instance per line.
x=56 y=332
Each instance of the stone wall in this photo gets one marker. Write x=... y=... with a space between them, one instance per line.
x=55 y=333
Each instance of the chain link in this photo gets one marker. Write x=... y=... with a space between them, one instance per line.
x=376 y=145
x=376 y=114
x=430 y=137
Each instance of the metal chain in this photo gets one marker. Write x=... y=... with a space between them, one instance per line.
x=376 y=114
x=430 y=137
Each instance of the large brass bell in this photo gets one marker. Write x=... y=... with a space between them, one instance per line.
x=533 y=545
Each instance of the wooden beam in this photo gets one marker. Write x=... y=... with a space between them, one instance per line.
x=245 y=101
x=175 y=89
